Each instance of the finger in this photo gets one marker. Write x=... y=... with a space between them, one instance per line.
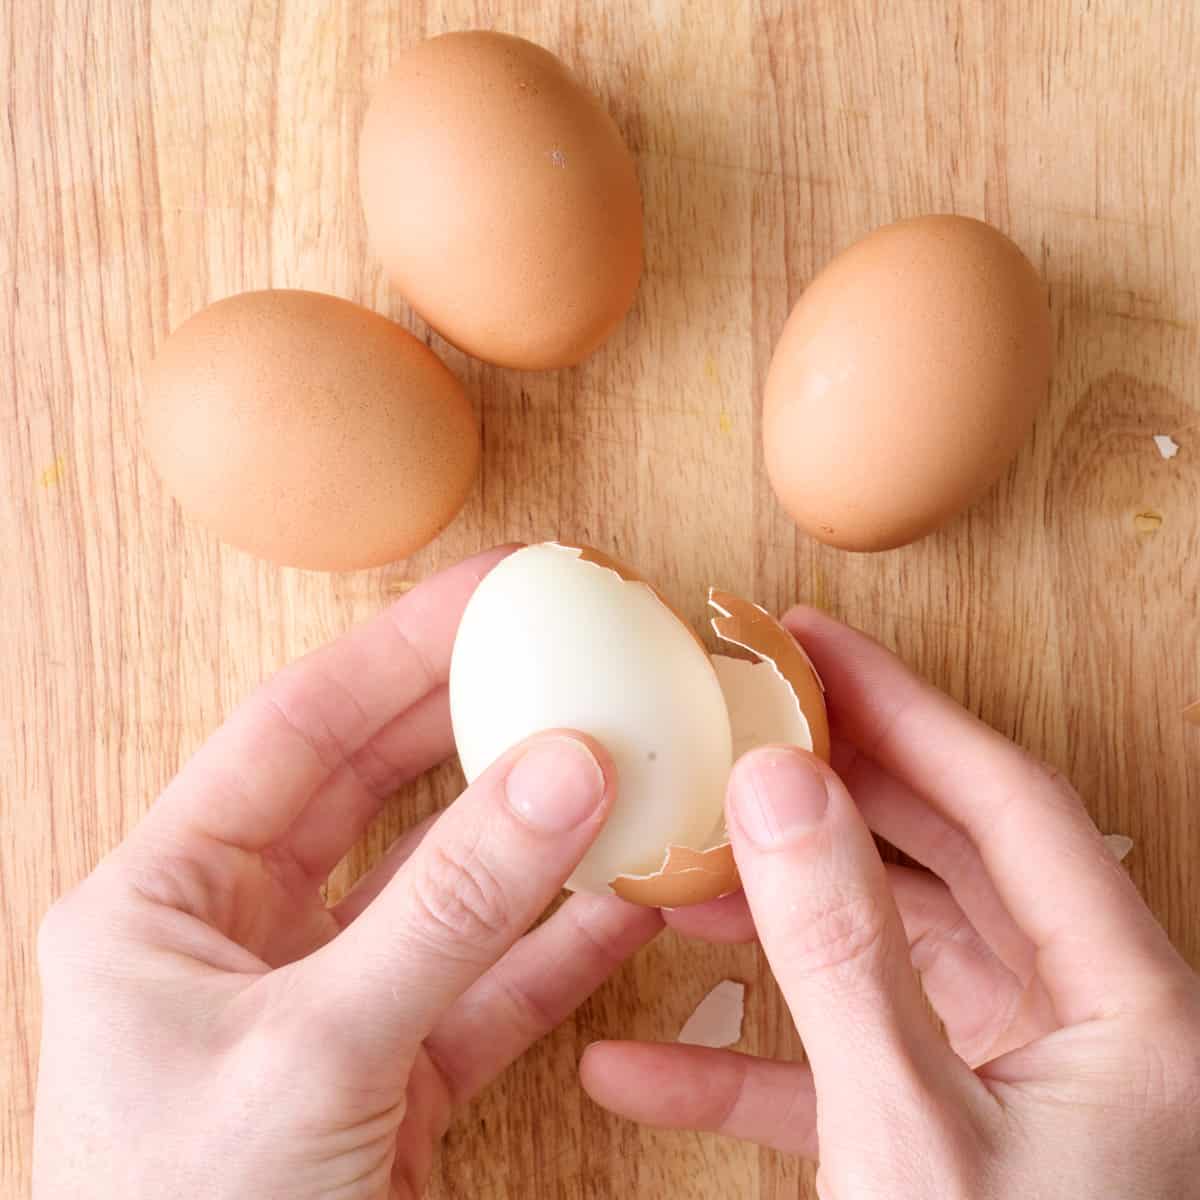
x=428 y=1112
x=985 y=1008
x=715 y=1091
x=492 y=863
x=338 y=815
x=535 y=987
x=895 y=812
x=830 y=929
x=727 y=920
x=370 y=884
x=1032 y=833
x=259 y=771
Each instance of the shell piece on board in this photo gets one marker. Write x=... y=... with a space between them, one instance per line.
x=717 y=1021
x=1168 y=447
x=1119 y=845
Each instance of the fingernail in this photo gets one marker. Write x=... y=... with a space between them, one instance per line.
x=780 y=795
x=556 y=785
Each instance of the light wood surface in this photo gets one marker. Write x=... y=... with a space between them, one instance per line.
x=155 y=157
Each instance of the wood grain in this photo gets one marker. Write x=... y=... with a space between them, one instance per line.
x=156 y=157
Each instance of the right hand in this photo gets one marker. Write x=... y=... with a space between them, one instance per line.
x=1071 y=1061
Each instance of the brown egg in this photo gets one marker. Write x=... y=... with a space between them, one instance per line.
x=905 y=381
x=308 y=430
x=501 y=199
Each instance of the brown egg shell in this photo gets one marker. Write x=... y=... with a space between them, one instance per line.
x=308 y=430
x=905 y=381
x=689 y=876
x=750 y=627
x=501 y=199
x=686 y=877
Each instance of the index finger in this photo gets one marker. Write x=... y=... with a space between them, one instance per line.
x=1098 y=945
x=255 y=775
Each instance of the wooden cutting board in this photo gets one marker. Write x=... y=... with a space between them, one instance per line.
x=156 y=157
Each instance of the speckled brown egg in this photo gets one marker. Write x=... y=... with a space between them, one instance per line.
x=501 y=199
x=308 y=430
x=905 y=381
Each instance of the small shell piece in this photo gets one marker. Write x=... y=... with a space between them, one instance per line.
x=1167 y=446
x=717 y=1021
x=1192 y=712
x=1118 y=845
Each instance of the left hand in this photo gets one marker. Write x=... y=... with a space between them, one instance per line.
x=211 y=1028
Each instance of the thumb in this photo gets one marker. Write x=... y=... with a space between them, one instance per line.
x=484 y=873
x=818 y=891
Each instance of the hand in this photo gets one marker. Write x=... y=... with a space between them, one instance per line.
x=1071 y=1062
x=212 y=1029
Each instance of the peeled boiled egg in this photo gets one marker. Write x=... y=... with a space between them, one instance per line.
x=560 y=636
x=501 y=199
x=905 y=381
x=308 y=430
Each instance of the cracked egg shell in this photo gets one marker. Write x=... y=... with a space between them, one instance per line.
x=565 y=637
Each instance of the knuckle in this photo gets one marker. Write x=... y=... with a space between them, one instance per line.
x=841 y=935
x=324 y=719
x=527 y=1013
x=596 y=931
x=460 y=901
x=376 y=771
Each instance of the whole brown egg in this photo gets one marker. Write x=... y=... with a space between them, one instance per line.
x=308 y=430
x=501 y=199
x=905 y=381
